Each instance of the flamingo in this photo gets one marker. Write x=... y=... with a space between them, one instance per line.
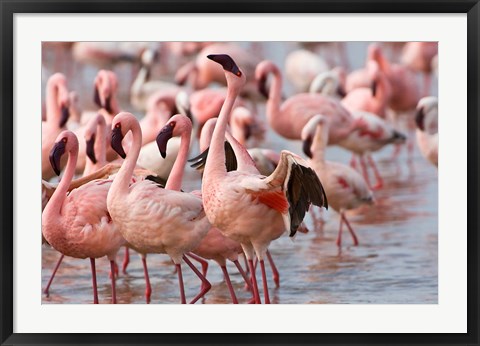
x=152 y=219
x=270 y=205
x=344 y=186
x=289 y=118
x=418 y=56
x=301 y=67
x=427 y=128
x=78 y=224
x=57 y=114
x=330 y=83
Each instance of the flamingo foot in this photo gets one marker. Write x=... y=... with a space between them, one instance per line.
x=205 y=283
x=47 y=289
x=126 y=260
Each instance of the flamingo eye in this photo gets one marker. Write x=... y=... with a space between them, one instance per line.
x=172 y=124
x=117 y=126
x=64 y=139
x=239 y=73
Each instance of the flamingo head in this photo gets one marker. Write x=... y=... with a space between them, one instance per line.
x=105 y=86
x=121 y=124
x=178 y=125
x=426 y=116
x=317 y=126
x=90 y=135
x=63 y=98
x=234 y=75
x=65 y=143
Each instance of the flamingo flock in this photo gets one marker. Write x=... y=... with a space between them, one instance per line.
x=122 y=161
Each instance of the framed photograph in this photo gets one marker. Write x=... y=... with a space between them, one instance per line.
x=328 y=209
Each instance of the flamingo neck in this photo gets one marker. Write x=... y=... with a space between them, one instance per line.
x=53 y=110
x=124 y=175
x=319 y=143
x=174 y=181
x=274 y=95
x=54 y=206
x=101 y=144
x=383 y=91
x=140 y=81
x=216 y=157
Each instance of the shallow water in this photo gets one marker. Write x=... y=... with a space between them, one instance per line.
x=395 y=262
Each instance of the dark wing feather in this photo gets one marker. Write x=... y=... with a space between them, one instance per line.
x=158 y=180
x=198 y=162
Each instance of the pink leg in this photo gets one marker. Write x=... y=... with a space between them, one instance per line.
x=126 y=260
x=203 y=263
x=378 y=177
x=265 y=284
x=396 y=152
x=46 y=290
x=254 y=282
x=229 y=285
x=276 y=274
x=364 y=170
x=340 y=230
x=244 y=275
x=350 y=229
x=148 y=288
x=94 y=281
x=114 y=292
x=113 y=273
x=180 y=284
x=205 y=283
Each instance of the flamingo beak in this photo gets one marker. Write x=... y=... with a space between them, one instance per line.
x=116 y=141
x=262 y=86
x=64 y=117
x=55 y=156
x=248 y=131
x=227 y=63
x=96 y=97
x=108 y=104
x=163 y=137
x=91 y=150
x=341 y=91
x=374 y=88
x=419 y=118
x=307 y=144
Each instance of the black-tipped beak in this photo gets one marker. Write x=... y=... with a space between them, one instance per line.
x=96 y=98
x=307 y=145
x=108 y=104
x=341 y=91
x=227 y=63
x=56 y=155
x=262 y=86
x=163 y=137
x=116 y=142
x=419 y=118
x=64 y=117
x=374 y=88
x=91 y=149
x=399 y=137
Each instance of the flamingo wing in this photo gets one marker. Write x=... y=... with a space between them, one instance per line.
x=198 y=162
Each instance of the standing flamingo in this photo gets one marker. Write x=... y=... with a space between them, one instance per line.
x=57 y=113
x=270 y=205
x=344 y=186
x=78 y=224
x=152 y=219
x=427 y=128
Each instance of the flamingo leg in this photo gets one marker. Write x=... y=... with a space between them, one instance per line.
x=94 y=281
x=229 y=285
x=340 y=230
x=276 y=274
x=248 y=284
x=114 y=292
x=148 y=288
x=46 y=290
x=254 y=282
x=350 y=229
x=205 y=283
x=126 y=260
x=180 y=284
x=264 y=280
x=365 y=171
x=204 y=265
x=378 y=177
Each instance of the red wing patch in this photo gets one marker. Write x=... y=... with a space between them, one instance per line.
x=343 y=182
x=372 y=134
x=275 y=200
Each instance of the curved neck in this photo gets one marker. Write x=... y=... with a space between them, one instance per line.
x=216 y=157
x=275 y=93
x=54 y=206
x=101 y=144
x=319 y=143
x=175 y=178
x=53 y=110
x=140 y=80
x=124 y=175
x=382 y=94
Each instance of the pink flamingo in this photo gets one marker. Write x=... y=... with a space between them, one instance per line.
x=418 y=56
x=57 y=114
x=345 y=188
x=289 y=118
x=95 y=135
x=78 y=224
x=267 y=203
x=152 y=219
x=427 y=128
x=330 y=83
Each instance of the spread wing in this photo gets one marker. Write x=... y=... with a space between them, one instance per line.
x=198 y=162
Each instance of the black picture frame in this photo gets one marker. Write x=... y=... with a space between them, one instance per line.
x=9 y=8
